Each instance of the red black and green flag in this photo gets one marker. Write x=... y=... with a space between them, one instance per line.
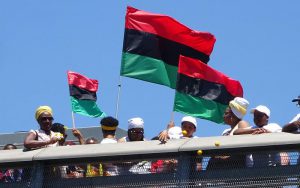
x=202 y=91
x=152 y=45
x=83 y=95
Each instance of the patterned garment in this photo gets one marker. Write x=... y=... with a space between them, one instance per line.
x=11 y=175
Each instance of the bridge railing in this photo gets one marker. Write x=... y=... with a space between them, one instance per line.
x=266 y=160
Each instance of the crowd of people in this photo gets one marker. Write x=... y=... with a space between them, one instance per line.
x=52 y=134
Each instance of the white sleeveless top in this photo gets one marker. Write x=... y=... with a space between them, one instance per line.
x=42 y=136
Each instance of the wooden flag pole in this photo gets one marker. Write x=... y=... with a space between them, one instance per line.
x=73 y=120
x=171 y=124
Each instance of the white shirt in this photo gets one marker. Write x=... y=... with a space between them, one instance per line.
x=271 y=127
x=110 y=169
x=108 y=141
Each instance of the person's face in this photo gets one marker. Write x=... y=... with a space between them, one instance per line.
x=260 y=119
x=189 y=128
x=229 y=116
x=136 y=134
x=45 y=121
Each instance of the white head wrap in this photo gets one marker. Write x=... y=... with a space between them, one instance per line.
x=175 y=133
x=135 y=123
x=239 y=107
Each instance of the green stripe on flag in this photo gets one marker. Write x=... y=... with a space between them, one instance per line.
x=148 y=69
x=199 y=107
x=86 y=107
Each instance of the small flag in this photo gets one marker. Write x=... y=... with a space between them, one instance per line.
x=202 y=91
x=152 y=45
x=83 y=95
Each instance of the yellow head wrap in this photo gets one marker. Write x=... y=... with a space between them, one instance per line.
x=108 y=128
x=41 y=110
x=239 y=106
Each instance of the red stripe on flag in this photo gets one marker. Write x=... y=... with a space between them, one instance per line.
x=196 y=69
x=82 y=81
x=169 y=28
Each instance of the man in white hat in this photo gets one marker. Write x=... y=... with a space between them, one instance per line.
x=188 y=126
x=261 y=115
x=135 y=133
x=135 y=130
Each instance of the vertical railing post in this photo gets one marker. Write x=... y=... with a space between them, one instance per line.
x=184 y=169
x=37 y=175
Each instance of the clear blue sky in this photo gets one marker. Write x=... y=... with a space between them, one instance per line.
x=257 y=44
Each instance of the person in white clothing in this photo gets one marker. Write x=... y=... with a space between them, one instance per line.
x=42 y=137
x=135 y=130
x=109 y=126
x=261 y=115
x=233 y=116
x=188 y=126
x=135 y=134
x=294 y=125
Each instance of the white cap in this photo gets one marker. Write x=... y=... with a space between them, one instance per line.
x=262 y=109
x=189 y=119
x=135 y=123
x=175 y=133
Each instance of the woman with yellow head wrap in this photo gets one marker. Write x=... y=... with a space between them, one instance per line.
x=42 y=137
x=233 y=116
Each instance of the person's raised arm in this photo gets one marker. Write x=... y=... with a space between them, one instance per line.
x=163 y=135
x=243 y=131
x=291 y=127
x=79 y=136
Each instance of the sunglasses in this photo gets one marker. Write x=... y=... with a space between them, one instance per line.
x=136 y=132
x=47 y=118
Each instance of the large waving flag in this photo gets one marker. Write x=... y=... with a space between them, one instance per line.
x=202 y=91
x=83 y=95
x=152 y=45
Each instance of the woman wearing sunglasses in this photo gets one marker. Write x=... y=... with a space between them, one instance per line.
x=43 y=137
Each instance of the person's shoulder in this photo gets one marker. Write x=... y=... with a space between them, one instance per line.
x=243 y=124
x=296 y=118
x=226 y=131
x=123 y=139
x=273 y=127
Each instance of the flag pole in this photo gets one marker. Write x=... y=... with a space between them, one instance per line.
x=172 y=116
x=118 y=98
x=73 y=120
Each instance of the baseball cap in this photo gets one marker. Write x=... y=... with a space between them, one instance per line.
x=263 y=109
x=189 y=119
